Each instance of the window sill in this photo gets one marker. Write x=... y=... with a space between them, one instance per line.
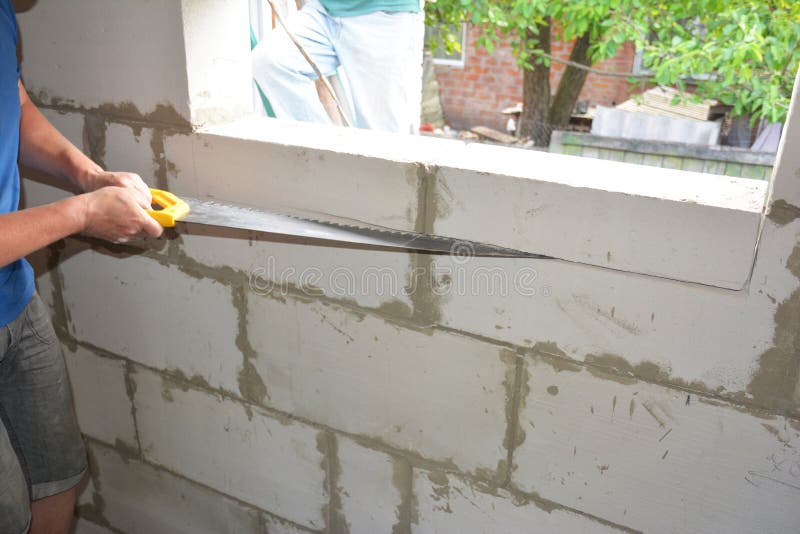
x=675 y=224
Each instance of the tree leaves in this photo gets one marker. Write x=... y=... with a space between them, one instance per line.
x=742 y=52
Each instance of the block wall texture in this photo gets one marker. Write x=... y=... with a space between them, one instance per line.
x=231 y=382
x=476 y=93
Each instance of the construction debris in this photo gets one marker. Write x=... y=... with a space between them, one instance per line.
x=494 y=135
x=625 y=124
x=659 y=101
x=516 y=109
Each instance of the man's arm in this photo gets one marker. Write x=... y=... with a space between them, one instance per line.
x=110 y=213
x=112 y=208
x=42 y=147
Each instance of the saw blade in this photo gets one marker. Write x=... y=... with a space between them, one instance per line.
x=311 y=225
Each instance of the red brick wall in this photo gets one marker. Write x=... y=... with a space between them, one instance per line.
x=478 y=92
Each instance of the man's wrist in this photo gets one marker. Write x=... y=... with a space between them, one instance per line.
x=77 y=210
x=84 y=174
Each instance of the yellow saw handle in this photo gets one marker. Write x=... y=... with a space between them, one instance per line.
x=167 y=208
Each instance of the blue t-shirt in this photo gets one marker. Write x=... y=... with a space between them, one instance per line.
x=16 y=279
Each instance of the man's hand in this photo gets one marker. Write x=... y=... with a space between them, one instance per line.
x=112 y=207
x=112 y=213
x=97 y=179
x=116 y=214
x=43 y=148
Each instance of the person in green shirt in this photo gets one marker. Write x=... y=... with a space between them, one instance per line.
x=377 y=44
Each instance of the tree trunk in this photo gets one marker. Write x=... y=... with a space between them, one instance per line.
x=536 y=92
x=570 y=85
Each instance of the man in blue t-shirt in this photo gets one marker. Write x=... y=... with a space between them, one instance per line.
x=42 y=457
x=378 y=45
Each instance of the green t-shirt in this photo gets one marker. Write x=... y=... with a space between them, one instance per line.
x=351 y=8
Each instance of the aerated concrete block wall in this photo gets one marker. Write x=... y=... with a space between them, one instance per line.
x=642 y=376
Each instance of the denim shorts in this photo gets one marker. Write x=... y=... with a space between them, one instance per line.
x=41 y=450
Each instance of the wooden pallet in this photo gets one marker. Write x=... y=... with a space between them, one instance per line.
x=494 y=135
x=661 y=98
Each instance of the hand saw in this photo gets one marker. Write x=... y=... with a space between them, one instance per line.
x=168 y=210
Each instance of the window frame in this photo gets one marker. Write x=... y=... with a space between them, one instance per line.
x=595 y=204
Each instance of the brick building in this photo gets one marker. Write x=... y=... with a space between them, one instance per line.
x=476 y=91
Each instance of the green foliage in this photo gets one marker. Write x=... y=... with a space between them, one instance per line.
x=744 y=53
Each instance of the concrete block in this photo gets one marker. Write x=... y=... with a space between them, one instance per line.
x=655 y=459
x=368 y=488
x=343 y=172
x=180 y=164
x=649 y=326
x=129 y=149
x=686 y=229
x=777 y=263
x=275 y=525
x=84 y=526
x=669 y=224
x=447 y=503
x=140 y=498
x=104 y=410
x=370 y=278
x=126 y=57
x=87 y=492
x=218 y=63
x=38 y=190
x=272 y=464
x=155 y=315
x=672 y=162
x=785 y=185
x=69 y=124
x=362 y=375
x=40 y=261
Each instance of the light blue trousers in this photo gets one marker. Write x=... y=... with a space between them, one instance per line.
x=380 y=54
